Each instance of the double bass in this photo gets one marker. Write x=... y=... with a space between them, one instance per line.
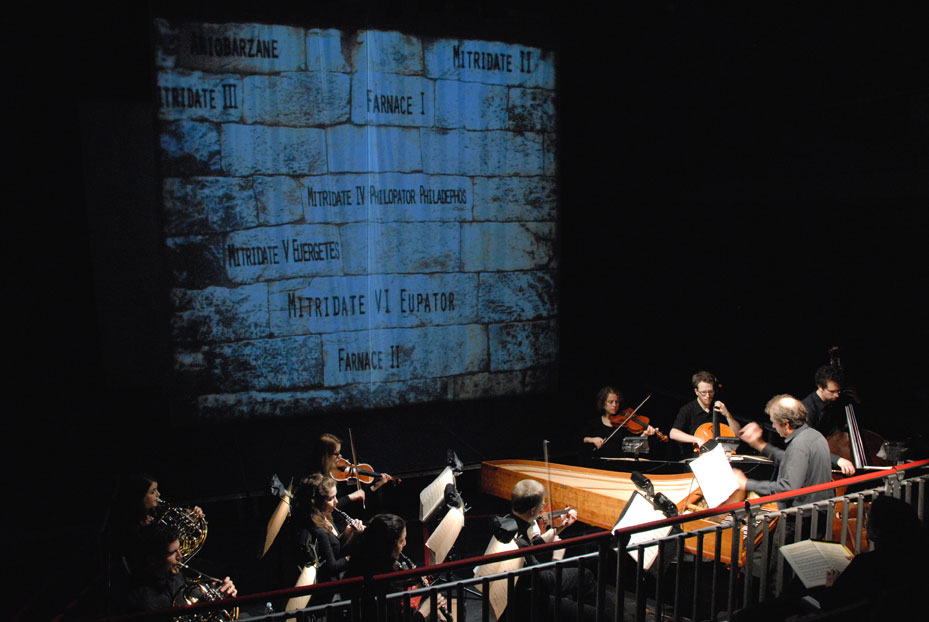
x=859 y=446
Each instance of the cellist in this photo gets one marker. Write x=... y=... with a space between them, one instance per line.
x=698 y=412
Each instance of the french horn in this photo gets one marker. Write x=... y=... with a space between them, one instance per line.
x=202 y=591
x=190 y=526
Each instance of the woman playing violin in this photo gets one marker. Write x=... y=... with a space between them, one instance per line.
x=325 y=455
x=597 y=431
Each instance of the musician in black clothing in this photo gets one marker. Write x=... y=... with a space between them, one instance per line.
x=694 y=414
x=325 y=455
x=821 y=404
x=157 y=579
x=378 y=552
x=527 y=501
x=597 y=431
x=314 y=503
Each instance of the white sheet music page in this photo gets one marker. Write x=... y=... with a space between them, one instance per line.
x=715 y=476
x=431 y=497
x=811 y=559
x=444 y=536
x=639 y=511
x=498 y=588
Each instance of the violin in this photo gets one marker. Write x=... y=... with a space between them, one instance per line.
x=547 y=517
x=344 y=470
x=636 y=424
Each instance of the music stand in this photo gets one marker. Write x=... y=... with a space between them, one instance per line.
x=635 y=445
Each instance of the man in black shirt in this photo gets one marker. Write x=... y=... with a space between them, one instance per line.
x=157 y=580
x=821 y=404
x=694 y=414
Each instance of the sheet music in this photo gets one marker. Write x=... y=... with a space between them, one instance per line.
x=498 y=596
x=307 y=577
x=639 y=511
x=431 y=497
x=811 y=559
x=715 y=476
x=444 y=536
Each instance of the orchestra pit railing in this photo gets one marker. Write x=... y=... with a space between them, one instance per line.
x=634 y=592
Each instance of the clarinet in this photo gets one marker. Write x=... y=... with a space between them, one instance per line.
x=443 y=611
x=355 y=523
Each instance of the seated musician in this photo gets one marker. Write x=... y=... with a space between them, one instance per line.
x=313 y=505
x=157 y=579
x=821 y=404
x=526 y=502
x=324 y=457
x=378 y=552
x=597 y=431
x=694 y=414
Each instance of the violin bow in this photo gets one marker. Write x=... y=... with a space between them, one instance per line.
x=619 y=427
x=354 y=466
x=548 y=482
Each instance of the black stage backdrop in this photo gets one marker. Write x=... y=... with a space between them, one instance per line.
x=740 y=190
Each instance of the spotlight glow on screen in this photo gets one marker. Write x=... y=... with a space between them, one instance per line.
x=355 y=219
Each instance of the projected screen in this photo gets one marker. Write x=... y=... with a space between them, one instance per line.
x=355 y=219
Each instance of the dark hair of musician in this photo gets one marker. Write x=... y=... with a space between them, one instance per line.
x=703 y=376
x=893 y=524
x=148 y=554
x=602 y=396
x=375 y=552
x=527 y=494
x=323 y=452
x=826 y=373
x=787 y=409
x=128 y=502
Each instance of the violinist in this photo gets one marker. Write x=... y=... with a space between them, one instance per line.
x=597 y=431
x=696 y=413
x=325 y=455
x=820 y=404
x=526 y=502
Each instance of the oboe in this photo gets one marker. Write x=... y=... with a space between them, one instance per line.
x=443 y=611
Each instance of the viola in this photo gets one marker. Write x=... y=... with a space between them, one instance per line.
x=344 y=470
x=636 y=424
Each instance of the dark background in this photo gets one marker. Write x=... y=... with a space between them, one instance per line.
x=741 y=189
